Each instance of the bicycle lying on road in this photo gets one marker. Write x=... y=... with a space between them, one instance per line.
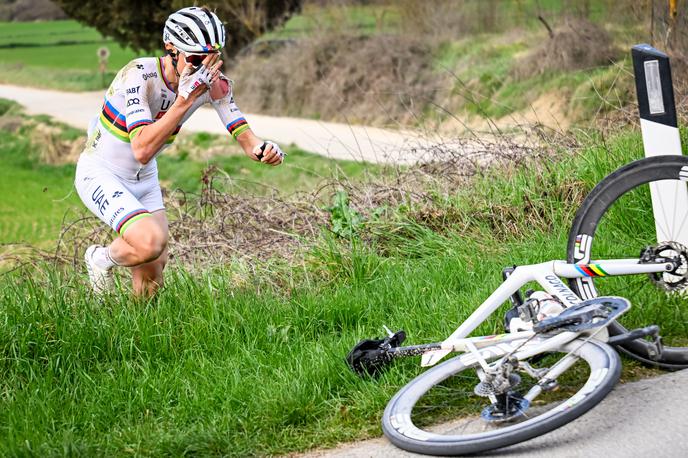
x=558 y=360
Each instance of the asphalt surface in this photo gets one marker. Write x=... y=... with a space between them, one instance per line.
x=338 y=141
x=647 y=418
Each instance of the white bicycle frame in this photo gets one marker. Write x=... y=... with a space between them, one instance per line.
x=548 y=275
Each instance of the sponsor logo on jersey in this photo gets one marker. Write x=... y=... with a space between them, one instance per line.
x=116 y=194
x=165 y=105
x=134 y=101
x=145 y=76
x=98 y=198
x=96 y=139
x=139 y=66
x=133 y=90
x=139 y=110
x=114 y=215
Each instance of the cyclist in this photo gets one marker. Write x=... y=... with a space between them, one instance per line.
x=144 y=108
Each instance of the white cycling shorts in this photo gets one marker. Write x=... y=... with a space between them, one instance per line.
x=116 y=201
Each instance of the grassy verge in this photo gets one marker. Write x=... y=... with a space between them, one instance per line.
x=37 y=197
x=229 y=362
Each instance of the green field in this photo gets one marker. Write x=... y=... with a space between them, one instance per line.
x=236 y=363
x=56 y=54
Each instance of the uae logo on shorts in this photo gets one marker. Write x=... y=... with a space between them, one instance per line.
x=117 y=194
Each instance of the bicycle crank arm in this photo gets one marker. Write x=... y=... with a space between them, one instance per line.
x=653 y=330
x=413 y=350
x=634 y=334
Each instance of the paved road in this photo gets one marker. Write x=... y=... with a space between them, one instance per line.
x=616 y=428
x=339 y=141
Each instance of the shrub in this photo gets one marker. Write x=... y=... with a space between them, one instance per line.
x=578 y=44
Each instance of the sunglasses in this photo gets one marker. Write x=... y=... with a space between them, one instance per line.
x=196 y=59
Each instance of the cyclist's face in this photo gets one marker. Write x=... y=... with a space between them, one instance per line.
x=197 y=59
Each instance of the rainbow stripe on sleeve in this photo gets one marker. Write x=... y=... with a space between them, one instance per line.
x=129 y=218
x=114 y=122
x=237 y=127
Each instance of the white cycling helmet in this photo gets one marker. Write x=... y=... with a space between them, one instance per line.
x=194 y=29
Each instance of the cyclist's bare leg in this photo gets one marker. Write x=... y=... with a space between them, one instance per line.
x=144 y=241
x=147 y=278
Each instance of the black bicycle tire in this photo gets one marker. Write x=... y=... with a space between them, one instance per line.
x=593 y=209
x=606 y=357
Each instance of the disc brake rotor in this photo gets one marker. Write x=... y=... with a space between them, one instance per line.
x=674 y=252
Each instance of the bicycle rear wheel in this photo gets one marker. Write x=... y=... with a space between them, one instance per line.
x=616 y=221
x=438 y=413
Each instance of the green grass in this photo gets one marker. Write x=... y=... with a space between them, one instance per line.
x=301 y=172
x=238 y=363
x=45 y=32
x=481 y=69
x=35 y=196
x=57 y=54
x=359 y=19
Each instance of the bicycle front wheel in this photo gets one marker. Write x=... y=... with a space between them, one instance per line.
x=617 y=221
x=438 y=412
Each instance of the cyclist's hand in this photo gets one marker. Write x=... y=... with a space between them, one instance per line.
x=193 y=84
x=211 y=60
x=269 y=153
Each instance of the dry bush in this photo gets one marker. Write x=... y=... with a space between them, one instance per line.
x=449 y=19
x=47 y=140
x=216 y=228
x=350 y=79
x=53 y=149
x=577 y=44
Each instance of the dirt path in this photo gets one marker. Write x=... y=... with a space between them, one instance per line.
x=338 y=141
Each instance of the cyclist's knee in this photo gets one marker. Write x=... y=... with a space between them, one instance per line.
x=148 y=239
x=153 y=244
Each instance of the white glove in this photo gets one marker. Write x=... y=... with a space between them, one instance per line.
x=258 y=150
x=189 y=81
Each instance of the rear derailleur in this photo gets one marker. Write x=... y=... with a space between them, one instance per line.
x=498 y=384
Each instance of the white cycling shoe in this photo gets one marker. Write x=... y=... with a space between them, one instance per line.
x=101 y=279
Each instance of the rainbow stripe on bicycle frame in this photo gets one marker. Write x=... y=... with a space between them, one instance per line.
x=591 y=270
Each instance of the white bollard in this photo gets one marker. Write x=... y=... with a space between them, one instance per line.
x=659 y=128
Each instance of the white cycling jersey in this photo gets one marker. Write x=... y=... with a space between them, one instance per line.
x=108 y=172
x=140 y=95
